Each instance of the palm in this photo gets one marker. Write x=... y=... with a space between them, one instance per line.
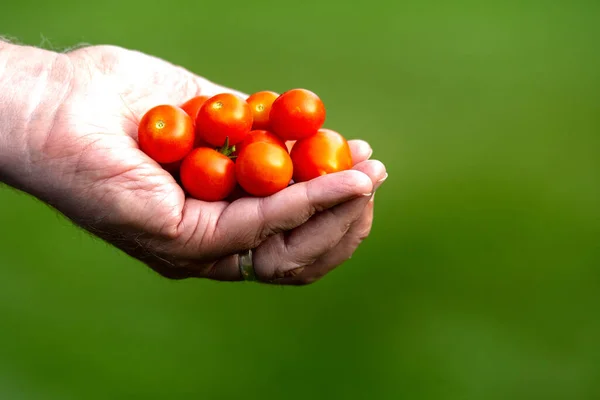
x=137 y=205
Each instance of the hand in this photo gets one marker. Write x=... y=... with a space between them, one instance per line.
x=88 y=166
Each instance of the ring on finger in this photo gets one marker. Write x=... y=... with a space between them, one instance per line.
x=247 y=266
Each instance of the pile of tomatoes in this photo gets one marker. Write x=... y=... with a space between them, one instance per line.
x=217 y=144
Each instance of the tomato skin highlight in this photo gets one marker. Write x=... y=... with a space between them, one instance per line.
x=208 y=175
x=263 y=169
x=296 y=114
x=223 y=116
x=260 y=103
x=324 y=153
x=166 y=134
x=260 y=136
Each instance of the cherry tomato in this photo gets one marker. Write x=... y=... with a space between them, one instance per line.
x=260 y=136
x=192 y=106
x=320 y=154
x=260 y=103
x=224 y=116
x=166 y=134
x=263 y=168
x=207 y=174
x=296 y=114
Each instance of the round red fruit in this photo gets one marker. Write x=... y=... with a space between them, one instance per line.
x=192 y=106
x=260 y=136
x=296 y=114
x=260 y=103
x=323 y=153
x=166 y=134
x=224 y=116
x=263 y=169
x=208 y=175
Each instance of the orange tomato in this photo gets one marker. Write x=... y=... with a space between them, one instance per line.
x=323 y=153
x=260 y=136
x=260 y=103
x=208 y=175
x=224 y=116
x=192 y=106
x=166 y=134
x=296 y=114
x=263 y=168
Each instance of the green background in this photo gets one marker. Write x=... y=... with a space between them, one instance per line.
x=480 y=279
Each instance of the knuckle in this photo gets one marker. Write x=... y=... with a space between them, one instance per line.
x=364 y=234
x=307 y=280
x=312 y=206
x=265 y=230
x=355 y=179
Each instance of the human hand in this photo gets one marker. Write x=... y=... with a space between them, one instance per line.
x=87 y=164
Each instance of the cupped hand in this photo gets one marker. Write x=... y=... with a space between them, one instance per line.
x=91 y=169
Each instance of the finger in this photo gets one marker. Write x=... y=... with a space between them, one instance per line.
x=281 y=256
x=361 y=151
x=375 y=170
x=248 y=222
x=302 y=246
x=225 y=269
x=344 y=250
x=305 y=244
x=357 y=232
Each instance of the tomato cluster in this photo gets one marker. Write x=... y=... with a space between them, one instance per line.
x=218 y=144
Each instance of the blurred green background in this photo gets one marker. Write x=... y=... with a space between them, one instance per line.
x=481 y=277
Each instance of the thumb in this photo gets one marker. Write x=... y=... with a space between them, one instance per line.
x=248 y=222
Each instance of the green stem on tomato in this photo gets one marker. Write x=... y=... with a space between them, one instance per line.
x=226 y=150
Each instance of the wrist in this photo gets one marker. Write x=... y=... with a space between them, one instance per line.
x=33 y=84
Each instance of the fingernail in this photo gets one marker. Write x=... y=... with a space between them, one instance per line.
x=370 y=154
x=367 y=194
x=379 y=182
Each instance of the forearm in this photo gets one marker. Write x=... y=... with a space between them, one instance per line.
x=32 y=84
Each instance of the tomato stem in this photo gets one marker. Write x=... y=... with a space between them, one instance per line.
x=226 y=149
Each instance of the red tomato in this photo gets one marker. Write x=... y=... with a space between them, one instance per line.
x=192 y=106
x=260 y=103
x=166 y=134
x=263 y=168
x=208 y=175
x=320 y=154
x=260 y=136
x=224 y=116
x=296 y=114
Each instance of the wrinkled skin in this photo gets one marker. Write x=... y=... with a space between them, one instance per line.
x=78 y=152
